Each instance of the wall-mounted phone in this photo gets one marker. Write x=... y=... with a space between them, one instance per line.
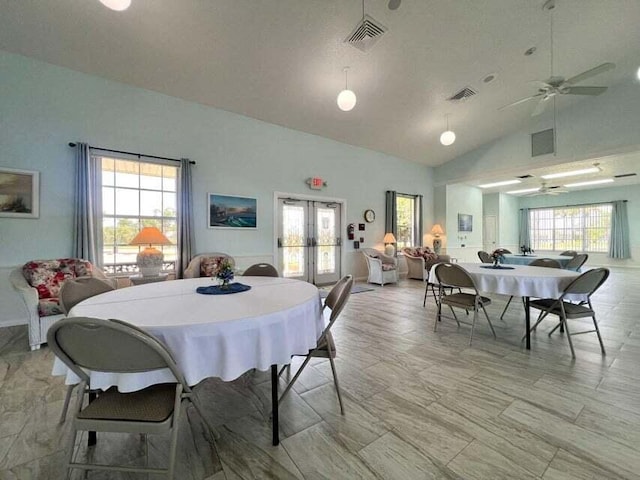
x=351 y=231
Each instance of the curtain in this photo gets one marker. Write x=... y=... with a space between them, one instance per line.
x=391 y=221
x=619 y=242
x=418 y=227
x=525 y=228
x=185 y=218
x=86 y=216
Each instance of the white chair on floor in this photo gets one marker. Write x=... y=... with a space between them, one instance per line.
x=382 y=268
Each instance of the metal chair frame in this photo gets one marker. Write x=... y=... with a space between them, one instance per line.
x=261 y=270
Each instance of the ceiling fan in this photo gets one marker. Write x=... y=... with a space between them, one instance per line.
x=545 y=190
x=557 y=85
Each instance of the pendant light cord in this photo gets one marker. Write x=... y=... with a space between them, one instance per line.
x=551 y=46
x=363 y=10
x=346 y=84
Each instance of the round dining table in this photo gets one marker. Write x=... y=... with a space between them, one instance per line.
x=519 y=259
x=211 y=335
x=518 y=281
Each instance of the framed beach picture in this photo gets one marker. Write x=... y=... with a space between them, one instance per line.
x=231 y=211
x=465 y=222
x=19 y=193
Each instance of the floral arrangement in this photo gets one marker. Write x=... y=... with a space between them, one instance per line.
x=225 y=273
x=496 y=256
x=524 y=249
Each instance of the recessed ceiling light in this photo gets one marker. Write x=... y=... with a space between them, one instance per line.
x=526 y=190
x=499 y=184
x=571 y=173
x=117 y=5
x=591 y=182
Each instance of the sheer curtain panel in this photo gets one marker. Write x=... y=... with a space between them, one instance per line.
x=525 y=228
x=86 y=216
x=185 y=218
x=619 y=243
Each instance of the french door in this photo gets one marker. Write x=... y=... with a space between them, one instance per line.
x=309 y=243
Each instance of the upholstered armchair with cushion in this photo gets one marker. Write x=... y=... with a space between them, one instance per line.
x=206 y=265
x=382 y=268
x=39 y=282
x=420 y=260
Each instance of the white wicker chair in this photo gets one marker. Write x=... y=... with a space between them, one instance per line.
x=382 y=268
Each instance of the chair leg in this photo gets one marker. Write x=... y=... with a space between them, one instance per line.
x=473 y=324
x=295 y=377
x=506 y=306
x=566 y=326
x=65 y=406
x=426 y=290
x=335 y=380
x=439 y=311
x=454 y=315
x=174 y=440
x=595 y=324
x=489 y=320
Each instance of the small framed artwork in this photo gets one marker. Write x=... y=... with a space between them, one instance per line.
x=356 y=245
x=19 y=193
x=465 y=222
x=232 y=211
x=361 y=227
x=361 y=239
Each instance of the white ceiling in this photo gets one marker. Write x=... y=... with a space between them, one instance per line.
x=281 y=60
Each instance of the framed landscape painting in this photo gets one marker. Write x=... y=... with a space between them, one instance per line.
x=465 y=222
x=231 y=211
x=19 y=193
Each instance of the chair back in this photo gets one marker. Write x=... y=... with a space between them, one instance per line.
x=108 y=346
x=545 y=262
x=73 y=291
x=578 y=261
x=569 y=253
x=588 y=282
x=337 y=298
x=261 y=270
x=484 y=257
x=502 y=251
x=452 y=275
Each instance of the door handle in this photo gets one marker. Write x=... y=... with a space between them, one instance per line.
x=279 y=242
x=339 y=241
x=314 y=242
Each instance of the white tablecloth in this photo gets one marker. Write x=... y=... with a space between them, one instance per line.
x=522 y=281
x=210 y=335
x=513 y=259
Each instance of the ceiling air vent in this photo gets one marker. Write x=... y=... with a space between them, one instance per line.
x=366 y=33
x=463 y=94
x=623 y=175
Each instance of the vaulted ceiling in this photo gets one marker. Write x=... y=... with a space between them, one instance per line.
x=281 y=60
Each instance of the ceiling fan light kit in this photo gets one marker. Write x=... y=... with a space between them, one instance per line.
x=117 y=5
x=346 y=98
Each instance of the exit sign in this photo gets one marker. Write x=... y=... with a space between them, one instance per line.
x=316 y=183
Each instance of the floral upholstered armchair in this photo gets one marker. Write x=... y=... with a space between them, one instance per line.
x=382 y=268
x=206 y=265
x=39 y=282
x=420 y=260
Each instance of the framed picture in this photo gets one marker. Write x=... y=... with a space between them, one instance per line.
x=465 y=222
x=231 y=211
x=19 y=193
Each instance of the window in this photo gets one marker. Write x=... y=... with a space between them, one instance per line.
x=584 y=228
x=406 y=221
x=136 y=194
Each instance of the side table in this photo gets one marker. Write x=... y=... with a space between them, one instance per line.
x=140 y=280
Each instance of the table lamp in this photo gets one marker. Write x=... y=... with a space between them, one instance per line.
x=150 y=260
x=436 y=231
x=389 y=239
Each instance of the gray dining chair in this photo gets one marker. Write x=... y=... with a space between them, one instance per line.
x=72 y=292
x=452 y=275
x=484 y=257
x=569 y=253
x=326 y=347
x=538 y=262
x=86 y=344
x=585 y=285
x=577 y=262
x=261 y=270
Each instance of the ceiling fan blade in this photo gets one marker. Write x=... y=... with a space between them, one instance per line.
x=585 y=90
x=605 y=67
x=522 y=100
x=542 y=104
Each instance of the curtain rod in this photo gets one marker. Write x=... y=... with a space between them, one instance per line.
x=576 y=205
x=71 y=144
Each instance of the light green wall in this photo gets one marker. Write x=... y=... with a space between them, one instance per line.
x=467 y=200
x=508 y=221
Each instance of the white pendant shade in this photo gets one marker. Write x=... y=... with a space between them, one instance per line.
x=117 y=5
x=447 y=138
x=346 y=100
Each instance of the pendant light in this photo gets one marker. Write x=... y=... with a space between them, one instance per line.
x=346 y=98
x=448 y=137
x=117 y=5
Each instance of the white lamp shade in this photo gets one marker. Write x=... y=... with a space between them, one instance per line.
x=447 y=138
x=346 y=100
x=117 y=5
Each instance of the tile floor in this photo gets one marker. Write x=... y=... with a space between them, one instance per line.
x=419 y=404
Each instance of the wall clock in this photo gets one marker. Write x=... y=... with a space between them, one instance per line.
x=369 y=216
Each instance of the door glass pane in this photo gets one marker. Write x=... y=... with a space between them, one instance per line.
x=293 y=260
x=293 y=241
x=326 y=239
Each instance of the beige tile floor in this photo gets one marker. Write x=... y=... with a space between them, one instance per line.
x=419 y=404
